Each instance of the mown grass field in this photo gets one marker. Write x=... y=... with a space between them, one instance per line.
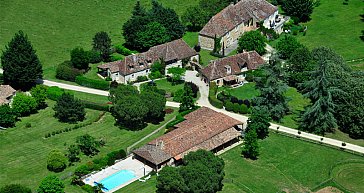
x=24 y=150
x=337 y=26
x=285 y=164
x=56 y=27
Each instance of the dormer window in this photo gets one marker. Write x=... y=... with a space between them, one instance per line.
x=228 y=69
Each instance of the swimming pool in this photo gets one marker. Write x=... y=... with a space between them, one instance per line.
x=117 y=179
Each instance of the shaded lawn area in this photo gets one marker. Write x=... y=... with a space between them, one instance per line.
x=56 y=27
x=337 y=26
x=285 y=164
x=24 y=150
x=90 y=97
x=339 y=135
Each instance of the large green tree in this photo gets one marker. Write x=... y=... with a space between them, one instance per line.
x=69 y=109
x=170 y=180
x=251 y=146
x=252 y=40
x=56 y=161
x=73 y=152
x=88 y=144
x=15 y=188
x=259 y=121
x=286 y=46
x=20 y=63
x=7 y=116
x=51 y=184
x=299 y=67
x=187 y=102
x=321 y=89
x=302 y=9
x=195 y=18
x=80 y=58
x=272 y=89
x=39 y=93
x=24 y=105
x=155 y=103
x=153 y=34
x=102 y=44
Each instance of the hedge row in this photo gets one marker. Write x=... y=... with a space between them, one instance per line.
x=95 y=106
x=65 y=130
x=123 y=50
x=212 y=96
x=65 y=71
x=97 y=84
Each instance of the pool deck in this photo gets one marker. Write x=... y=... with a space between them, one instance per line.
x=127 y=164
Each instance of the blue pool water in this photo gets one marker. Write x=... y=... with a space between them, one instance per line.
x=117 y=179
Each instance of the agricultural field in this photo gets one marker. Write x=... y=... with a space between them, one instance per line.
x=56 y=27
x=24 y=149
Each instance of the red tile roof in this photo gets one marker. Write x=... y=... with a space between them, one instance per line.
x=217 y=68
x=234 y=15
x=199 y=127
x=174 y=50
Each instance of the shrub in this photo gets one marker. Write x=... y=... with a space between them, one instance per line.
x=88 y=188
x=39 y=93
x=212 y=96
x=243 y=109
x=82 y=170
x=236 y=107
x=234 y=99
x=56 y=161
x=65 y=71
x=15 y=188
x=97 y=84
x=116 y=57
x=28 y=125
x=247 y=103
x=141 y=79
x=54 y=93
x=229 y=106
x=7 y=116
x=122 y=50
x=197 y=48
x=115 y=155
x=80 y=58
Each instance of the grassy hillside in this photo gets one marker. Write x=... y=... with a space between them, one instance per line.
x=337 y=26
x=56 y=27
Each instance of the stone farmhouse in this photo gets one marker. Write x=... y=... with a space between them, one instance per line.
x=6 y=94
x=202 y=129
x=173 y=53
x=230 y=70
x=230 y=23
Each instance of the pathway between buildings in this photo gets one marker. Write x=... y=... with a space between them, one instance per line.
x=203 y=101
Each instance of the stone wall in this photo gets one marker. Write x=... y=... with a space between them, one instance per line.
x=206 y=42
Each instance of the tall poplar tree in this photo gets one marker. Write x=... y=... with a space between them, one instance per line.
x=20 y=63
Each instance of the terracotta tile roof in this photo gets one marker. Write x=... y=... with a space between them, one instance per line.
x=199 y=127
x=152 y=153
x=5 y=92
x=233 y=15
x=218 y=68
x=169 y=52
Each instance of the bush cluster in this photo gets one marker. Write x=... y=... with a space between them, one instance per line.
x=212 y=96
x=97 y=84
x=65 y=71
x=141 y=79
x=234 y=104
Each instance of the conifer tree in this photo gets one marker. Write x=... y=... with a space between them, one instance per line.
x=251 y=146
x=20 y=63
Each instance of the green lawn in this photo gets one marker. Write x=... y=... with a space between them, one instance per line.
x=337 y=26
x=24 y=150
x=56 y=27
x=90 y=97
x=167 y=86
x=247 y=91
x=285 y=164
